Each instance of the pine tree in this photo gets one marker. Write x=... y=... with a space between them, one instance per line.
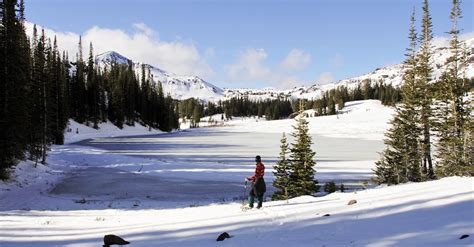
x=79 y=100
x=14 y=83
x=454 y=110
x=282 y=172
x=45 y=80
x=424 y=72
x=196 y=117
x=37 y=102
x=401 y=160
x=302 y=180
x=93 y=90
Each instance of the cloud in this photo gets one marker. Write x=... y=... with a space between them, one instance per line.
x=250 y=66
x=337 y=61
x=296 y=60
x=325 y=78
x=443 y=41
x=142 y=45
x=142 y=27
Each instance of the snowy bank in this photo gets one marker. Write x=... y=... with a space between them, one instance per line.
x=365 y=119
x=432 y=213
x=78 y=132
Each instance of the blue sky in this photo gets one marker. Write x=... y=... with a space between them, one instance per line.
x=247 y=43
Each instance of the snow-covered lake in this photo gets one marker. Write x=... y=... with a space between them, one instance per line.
x=204 y=165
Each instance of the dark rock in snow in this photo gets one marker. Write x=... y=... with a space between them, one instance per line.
x=81 y=201
x=112 y=239
x=352 y=202
x=464 y=236
x=326 y=215
x=223 y=236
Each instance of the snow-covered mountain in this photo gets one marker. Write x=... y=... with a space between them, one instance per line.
x=388 y=75
x=179 y=87
x=184 y=87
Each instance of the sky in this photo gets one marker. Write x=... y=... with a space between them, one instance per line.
x=243 y=43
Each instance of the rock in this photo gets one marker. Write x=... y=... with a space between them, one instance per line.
x=464 y=236
x=352 y=202
x=326 y=215
x=223 y=236
x=112 y=239
x=81 y=201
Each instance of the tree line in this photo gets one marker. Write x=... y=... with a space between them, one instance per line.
x=272 y=109
x=441 y=108
x=333 y=100
x=284 y=107
x=41 y=89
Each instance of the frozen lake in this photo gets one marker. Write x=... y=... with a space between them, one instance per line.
x=204 y=164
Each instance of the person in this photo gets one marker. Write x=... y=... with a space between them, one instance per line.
x=258 y=183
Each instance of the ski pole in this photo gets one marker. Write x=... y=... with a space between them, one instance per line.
x=245 y=190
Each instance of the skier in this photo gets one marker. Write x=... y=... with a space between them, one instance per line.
x=258 y=183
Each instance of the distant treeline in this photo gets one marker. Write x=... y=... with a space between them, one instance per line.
x=335 y=99
x=281 y=108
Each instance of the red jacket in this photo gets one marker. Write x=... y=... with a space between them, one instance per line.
x=259 y=172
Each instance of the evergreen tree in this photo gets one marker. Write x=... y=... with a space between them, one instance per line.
x=79 y=101
x=62 y=80
x=454 y=110
x=14 y=83
x=282 y=172
x=424 y=72
x=93 y=90
x=196 y=118
x=302 y=180
x=401 y=160
x=37 y=95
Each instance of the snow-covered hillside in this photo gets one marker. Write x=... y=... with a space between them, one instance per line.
x=179 y=87
x=388 y=75
x=364 y=119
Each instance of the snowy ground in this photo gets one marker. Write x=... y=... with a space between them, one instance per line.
x=77 y=132
x=425 y=214
x=365 y=119
x=183 y=189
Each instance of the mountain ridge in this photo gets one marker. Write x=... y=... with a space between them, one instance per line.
x=184 y=87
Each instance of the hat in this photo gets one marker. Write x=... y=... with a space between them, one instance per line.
x=258 y=158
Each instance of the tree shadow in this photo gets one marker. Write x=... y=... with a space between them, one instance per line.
x=417 y=224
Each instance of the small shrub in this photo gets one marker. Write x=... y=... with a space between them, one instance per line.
x=330 y=187
x=4 y=174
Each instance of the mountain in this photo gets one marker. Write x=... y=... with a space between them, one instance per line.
x=184 y=87
x=179 y=87
x=388 y=75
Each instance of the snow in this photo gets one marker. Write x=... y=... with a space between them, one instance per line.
x=367 y=119
x=433 y=213
x=185 y=188
x=78 y=132
x=184 y=87
x=389 y=75
x=177 y=86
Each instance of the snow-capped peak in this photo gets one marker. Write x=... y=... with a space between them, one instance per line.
x=390 y=75
x=111 y=56
x=177 y=86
